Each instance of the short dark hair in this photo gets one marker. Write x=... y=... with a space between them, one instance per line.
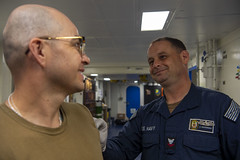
x=175 y=42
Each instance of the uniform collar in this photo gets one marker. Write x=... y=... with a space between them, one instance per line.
x=191 y=100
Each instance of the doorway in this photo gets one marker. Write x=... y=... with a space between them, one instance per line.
x=133 y=100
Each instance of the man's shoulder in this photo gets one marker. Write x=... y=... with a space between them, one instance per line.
x=214 y=98
x=74 y=108
x=72 y=105
x=210 y=93
x=77 y=111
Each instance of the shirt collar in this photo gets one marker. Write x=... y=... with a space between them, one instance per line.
x=191 y=100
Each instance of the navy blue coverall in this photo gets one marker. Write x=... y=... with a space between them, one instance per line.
x=204 y=126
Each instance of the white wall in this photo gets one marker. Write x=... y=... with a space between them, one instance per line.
x=231 y=46
x=116 y=99
x=225 y=78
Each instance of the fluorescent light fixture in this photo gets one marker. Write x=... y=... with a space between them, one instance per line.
x=94 y=75
x=154 y=20
x=106 y=79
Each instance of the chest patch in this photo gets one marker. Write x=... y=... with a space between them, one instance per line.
x=201 y=125
x=233 y=111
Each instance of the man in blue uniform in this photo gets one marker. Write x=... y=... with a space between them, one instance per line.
x=187 y=123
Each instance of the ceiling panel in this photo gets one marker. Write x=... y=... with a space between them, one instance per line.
x=112 y=27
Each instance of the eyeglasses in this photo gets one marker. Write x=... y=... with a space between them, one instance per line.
x=80 y=44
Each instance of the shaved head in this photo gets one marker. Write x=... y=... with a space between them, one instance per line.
x=25 y=23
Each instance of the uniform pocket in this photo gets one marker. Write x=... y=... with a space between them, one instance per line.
x=149 y=140
x=203 y=143
x=151 y=146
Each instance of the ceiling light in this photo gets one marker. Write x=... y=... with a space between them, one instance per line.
x=106 y=79
x=154 y=20
x=94 y=75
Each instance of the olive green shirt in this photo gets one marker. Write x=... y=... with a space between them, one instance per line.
x=76 y=139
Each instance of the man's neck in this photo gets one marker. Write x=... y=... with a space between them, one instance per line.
x=38 y=108
x=177 y=92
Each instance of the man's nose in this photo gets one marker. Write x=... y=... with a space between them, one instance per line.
x=85 y=59
x=156 y=63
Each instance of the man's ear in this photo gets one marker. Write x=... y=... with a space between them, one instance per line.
x=36 y=49
x=185 y=56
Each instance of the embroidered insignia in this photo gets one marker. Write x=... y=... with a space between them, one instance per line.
x=233 y=111
x=170 y=145
x=171 y=142
x=201 y=125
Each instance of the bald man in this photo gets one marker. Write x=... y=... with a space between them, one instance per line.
x=46 y=57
